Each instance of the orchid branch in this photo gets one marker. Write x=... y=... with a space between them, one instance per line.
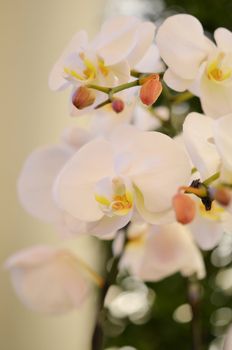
x=110 y=279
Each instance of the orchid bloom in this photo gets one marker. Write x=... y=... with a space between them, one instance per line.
x=122 y=43
x=106 y=180
x=48 y=279
x=155 y=252
x=209 y=145
x=37 y=178
x=195 y=63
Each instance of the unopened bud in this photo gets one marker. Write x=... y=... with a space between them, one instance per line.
x=222 y=196
x=83 y=97
x=150 y=90
x=118 y=105
x=184 y=207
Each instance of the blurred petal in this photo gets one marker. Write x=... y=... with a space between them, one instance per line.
x=151 y=61
x=145 y=35
x=48 y=279
x=37 y=178
x=207 y=232
x=121 y=71
x=198 y=134
x=223 y=38
x=222 y=134
x=216 y=98
x=175 y=82
x=108 y=225
x=75 y=186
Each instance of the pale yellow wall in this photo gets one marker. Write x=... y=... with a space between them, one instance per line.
x=32 y=35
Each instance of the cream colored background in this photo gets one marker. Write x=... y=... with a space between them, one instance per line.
x=32 y=35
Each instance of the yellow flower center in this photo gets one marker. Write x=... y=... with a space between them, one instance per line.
x=90 y=71
x=213 y=214
x=120 y=203
x=217 y=70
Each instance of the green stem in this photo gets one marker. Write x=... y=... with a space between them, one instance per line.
x=185 y=96
x=110 y=279
x=194 y=298
x=211 y=178
x=123 y=87
x=104 y=89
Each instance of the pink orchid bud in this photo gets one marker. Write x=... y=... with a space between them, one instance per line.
x=118 y=105
x=222 y=196
x=150 y=90
x=184 y=207
x=83 y=97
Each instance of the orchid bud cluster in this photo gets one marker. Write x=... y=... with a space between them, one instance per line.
x=120 y=170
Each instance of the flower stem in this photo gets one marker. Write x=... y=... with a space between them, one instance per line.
x=110 y=279
x=194 y=301
x=211 y=179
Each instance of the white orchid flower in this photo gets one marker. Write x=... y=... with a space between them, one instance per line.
x=48 y=279
x=209 y=145
x=155 y=252
x=105 y=181
x=37 y=179
x=196 y=63
x=121 y=44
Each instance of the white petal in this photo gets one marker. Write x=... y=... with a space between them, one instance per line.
x=119 y=48
x=223 y=38
x=216 y=98
x=222 y=134
x=122 y=71
x=198 y=134
x=151 y=61
x=164 y=217
x=108 y=225
x=37 y=178
x=76 y=136
x=175 y=82
x=166 y=168
x=75 y=186
x=145 y=35
x=206 y=232
x=77 y=44
x=160 y=251
x=48 y=279
x=182 y=45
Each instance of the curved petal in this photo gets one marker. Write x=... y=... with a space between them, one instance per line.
x=75 y=186
x=198 y=134
x=166 y=168
x=151 y=61
x=164 y=217
x=122 y=71
x=223 y=38
x=145 y=35
x=222 y=134
x=206 y=232
x=216 y=98
x=168 y=250
x=175 y=82
x=48 y=279
x=108 y=225
x=159 y=251
x=56 y=77
x=182 y=44
x=37 y=178
x=119 y=48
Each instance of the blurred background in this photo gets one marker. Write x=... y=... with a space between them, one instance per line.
x=32 y=36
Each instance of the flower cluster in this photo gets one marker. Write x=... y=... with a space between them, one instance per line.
x=122 y=172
